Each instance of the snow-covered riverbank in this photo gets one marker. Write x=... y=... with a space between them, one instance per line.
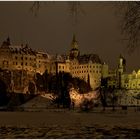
x=70 y=124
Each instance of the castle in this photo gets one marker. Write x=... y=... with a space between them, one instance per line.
x=88 y=67
x=119 y=78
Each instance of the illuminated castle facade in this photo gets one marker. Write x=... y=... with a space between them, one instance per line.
x=86 y=66
x=118 y=78
x=22 y=57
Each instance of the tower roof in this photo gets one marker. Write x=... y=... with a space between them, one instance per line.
x=74 y=38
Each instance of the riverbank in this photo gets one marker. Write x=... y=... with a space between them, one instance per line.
x=62 y=123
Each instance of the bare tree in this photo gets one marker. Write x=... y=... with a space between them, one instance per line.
x=74 y=8
x=130 y=23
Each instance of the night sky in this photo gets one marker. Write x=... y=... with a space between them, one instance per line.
x=97 y=30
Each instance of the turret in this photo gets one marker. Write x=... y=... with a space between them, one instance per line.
x=121 y=70
x=74 y=52
x=122 y=64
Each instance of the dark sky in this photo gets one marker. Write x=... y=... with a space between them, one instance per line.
x=51 y=30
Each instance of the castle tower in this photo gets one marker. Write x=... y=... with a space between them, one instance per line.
x=74 y=52
x=121 y=70
x=122 y=64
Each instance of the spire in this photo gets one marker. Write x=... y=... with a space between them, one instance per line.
x=121 y=56
x=74 y=52
x=74 y=38
x=74 y=42
x=8 y=41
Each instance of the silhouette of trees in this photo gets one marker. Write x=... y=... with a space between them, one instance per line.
x=87 y=105
x=74 y=8
x=60 y=84
x=3 y=93
x=103 y=92
x=31 y=88
x=129 y=12
x=39 y=82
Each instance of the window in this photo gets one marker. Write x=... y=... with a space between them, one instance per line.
x=21 y=63
x=25 y=58
x=59 y=67
x=16 y=63
x=16 y=57
x=21 y=58
x=26 y=63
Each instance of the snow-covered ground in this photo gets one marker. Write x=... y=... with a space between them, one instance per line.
x=39 y=103
x=70 y=124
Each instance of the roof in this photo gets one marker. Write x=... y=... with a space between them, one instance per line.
x=23 y=49
x=86 y=58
